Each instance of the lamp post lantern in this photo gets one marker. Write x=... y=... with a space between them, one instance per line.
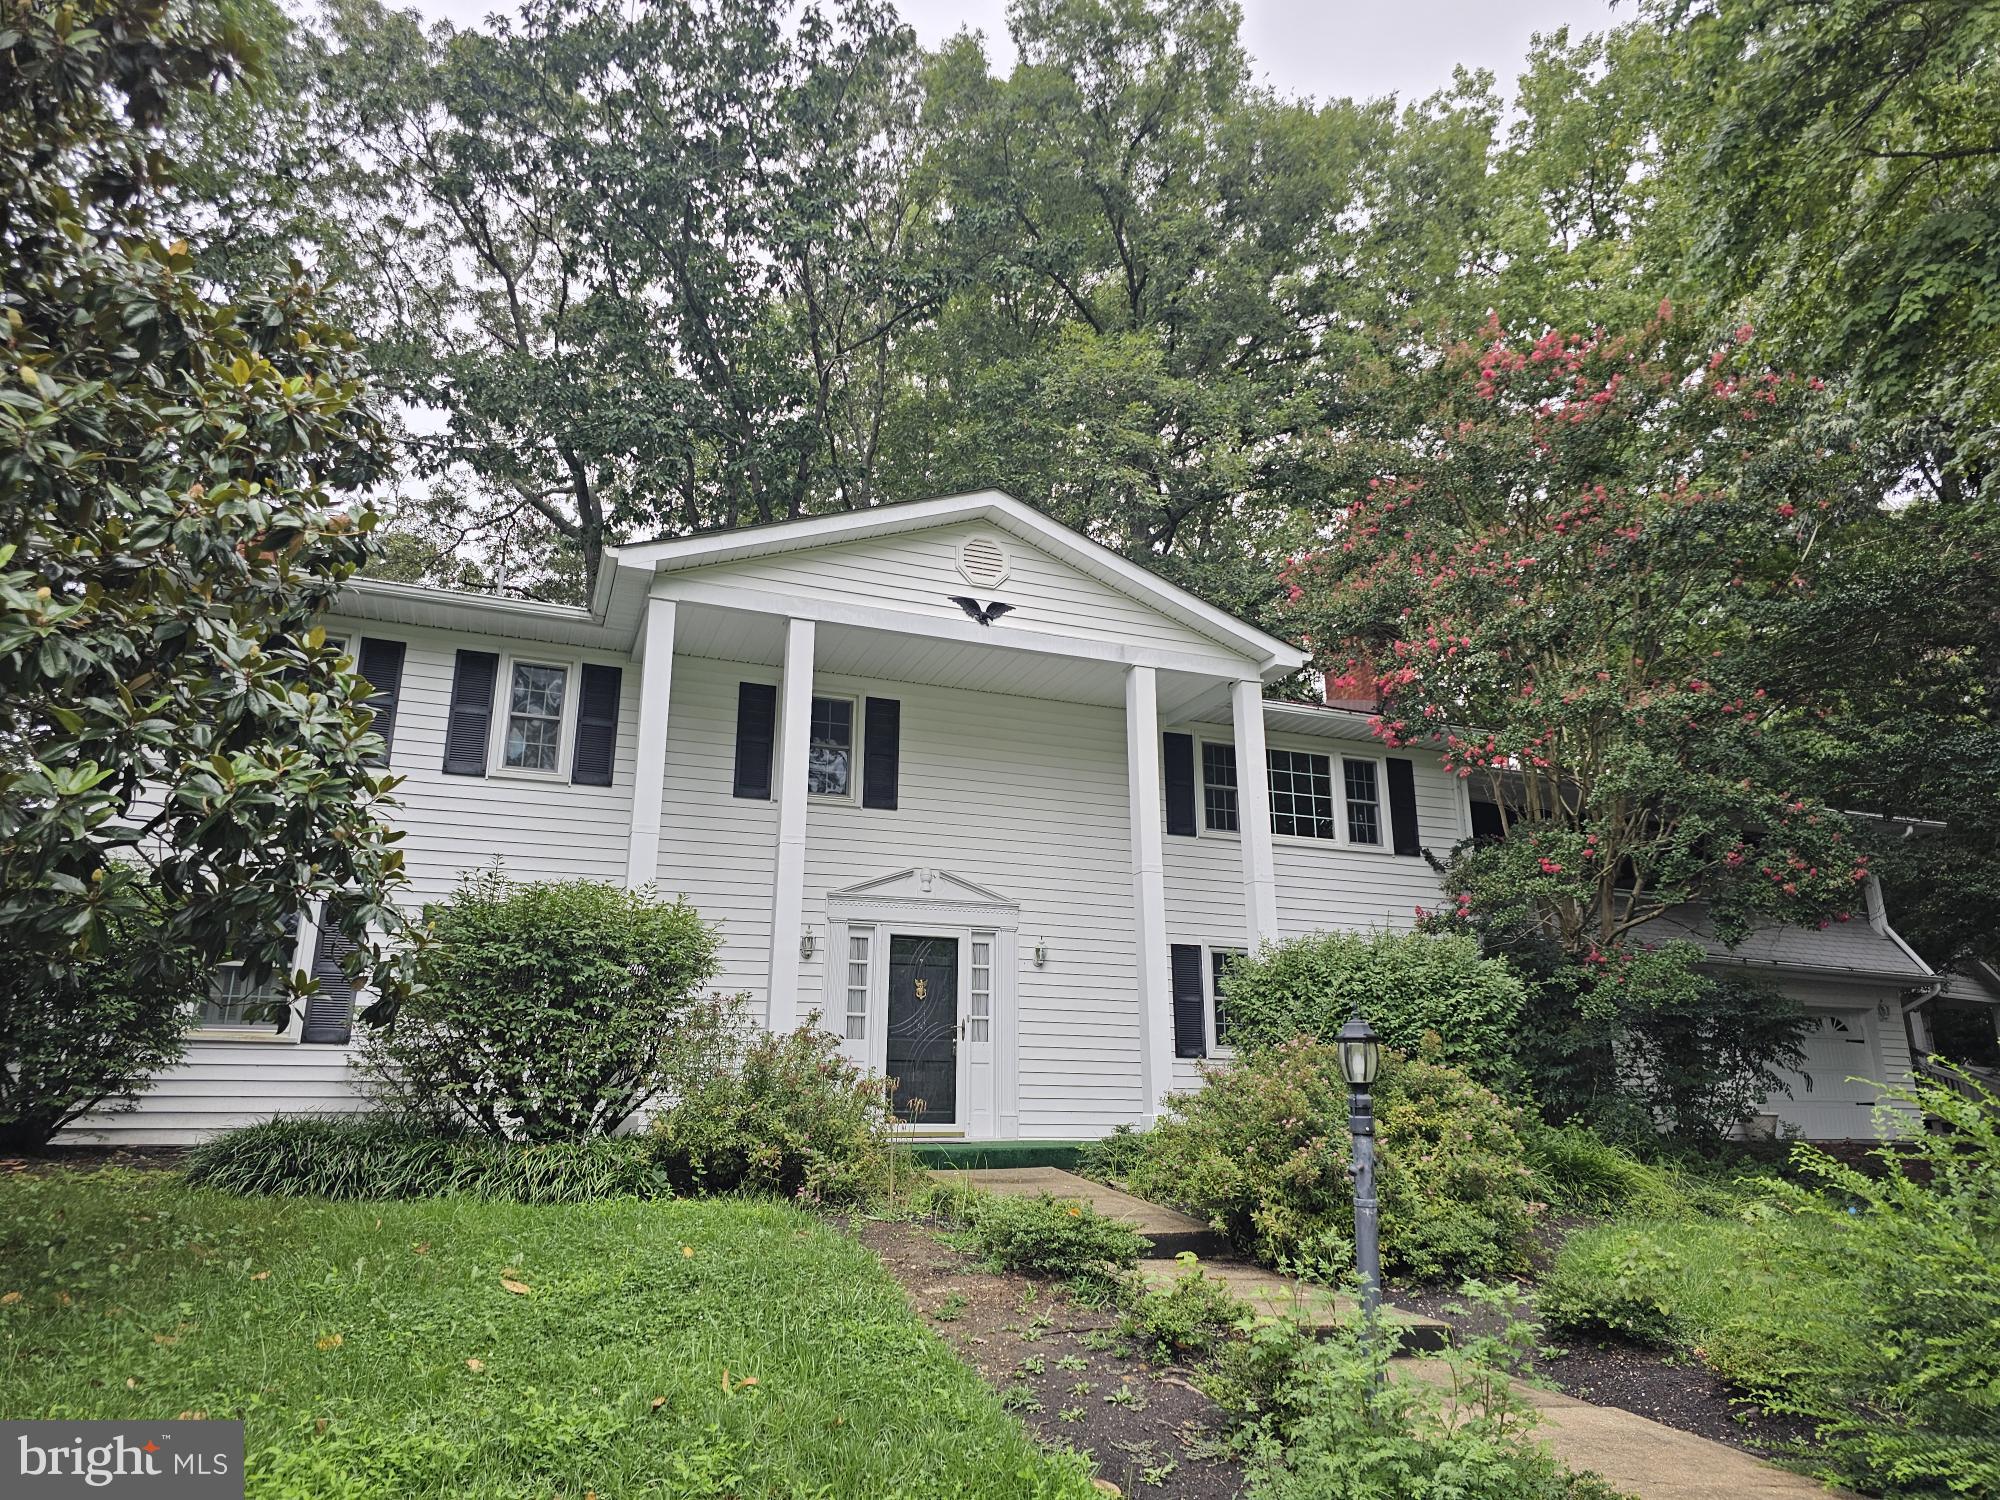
x=1360 y=1056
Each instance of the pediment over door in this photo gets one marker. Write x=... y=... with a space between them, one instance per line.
x=923 y=891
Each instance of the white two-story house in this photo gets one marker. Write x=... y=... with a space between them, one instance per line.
x=993 y=801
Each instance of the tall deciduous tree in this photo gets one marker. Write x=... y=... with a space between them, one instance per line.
x=171 y=524
x=638 y=272
x=1575 y=543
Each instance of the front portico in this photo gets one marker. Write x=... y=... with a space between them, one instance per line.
x=869 y=610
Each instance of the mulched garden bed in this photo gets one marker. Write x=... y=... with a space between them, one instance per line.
x=1149 y=1431
x=1644 y=1381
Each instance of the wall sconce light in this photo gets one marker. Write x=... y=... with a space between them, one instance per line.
x=1041 y=954
x=806 y=943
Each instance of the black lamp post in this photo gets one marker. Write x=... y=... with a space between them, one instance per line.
x=1360 y=1056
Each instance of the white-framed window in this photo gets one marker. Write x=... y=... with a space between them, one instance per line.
x=860 y=948
x=1301 y=794
x=979 y=990
x=830 y=748
x=535 y=717
x=1219 y=808
x=1363 y=784
x=233 y=1000
x=1219 y=960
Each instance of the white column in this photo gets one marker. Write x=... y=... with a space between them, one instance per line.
x=649 y=774
x=1149 y=890
x=788 y=788
x=1253 y=816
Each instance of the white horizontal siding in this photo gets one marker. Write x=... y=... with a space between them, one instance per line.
x=221 y=1085
x=918 y=571
x=1322 y=886
x=538 y=829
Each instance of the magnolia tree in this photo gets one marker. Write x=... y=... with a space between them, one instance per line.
x=1576 y=557
x=186 y=761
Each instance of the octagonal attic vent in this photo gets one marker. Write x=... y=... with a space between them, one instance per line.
x=982 y=561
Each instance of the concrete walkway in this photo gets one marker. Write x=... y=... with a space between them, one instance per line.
x=1641 y=1456
x=1633 y=1453
x=1173 y=1232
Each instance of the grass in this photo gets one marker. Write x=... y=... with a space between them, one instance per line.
x=1749 y=1296
x=459 y=1347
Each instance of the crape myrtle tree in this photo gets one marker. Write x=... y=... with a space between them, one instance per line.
x=1561 y=572
x=185 y=758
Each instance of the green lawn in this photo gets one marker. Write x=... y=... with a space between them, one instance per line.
x=669 y=1350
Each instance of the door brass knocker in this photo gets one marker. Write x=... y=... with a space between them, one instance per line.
x=923 y=989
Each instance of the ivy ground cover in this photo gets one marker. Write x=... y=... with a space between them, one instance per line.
x=465 y=1348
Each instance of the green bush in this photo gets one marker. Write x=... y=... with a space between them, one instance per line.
x=1187 y=1318
x=1622 y=1282
x=87 y=1032
x=1261 y=1151
x=545 y=1011
x=379 y=1157
x=1908 y=1400
x=1055 y=1237
x=1111 y=1158
x=1342 y=1426
x=1425 y=995
x=766 y=1113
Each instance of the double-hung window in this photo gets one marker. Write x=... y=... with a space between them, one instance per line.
x=1301 y=794
x=1364 y=802
x=532 y=739
x=830 y=748
x=235 y=1003
x=1218 y=786
x=1219 y=960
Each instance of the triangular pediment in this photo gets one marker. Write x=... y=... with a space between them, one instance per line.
x=920 y=883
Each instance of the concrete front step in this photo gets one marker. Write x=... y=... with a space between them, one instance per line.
x=1173 y=1232
x=1170 y=1231
x=1317 y=1308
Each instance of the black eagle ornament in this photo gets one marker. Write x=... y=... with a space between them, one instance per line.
x=984 y=615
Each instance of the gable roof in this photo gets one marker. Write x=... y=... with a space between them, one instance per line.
x=1857 y=948
x=995 y=508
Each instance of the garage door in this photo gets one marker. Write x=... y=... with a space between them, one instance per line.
x=1839 y=1047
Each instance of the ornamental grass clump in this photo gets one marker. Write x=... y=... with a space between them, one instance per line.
x=1261 y=1151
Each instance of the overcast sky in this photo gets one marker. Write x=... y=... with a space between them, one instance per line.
x=1326 y=48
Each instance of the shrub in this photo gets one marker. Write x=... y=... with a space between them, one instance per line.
x=379 y=1157
x=1186 y=1319
x=545 y=1011
x=769 y=1113
x=1621 y=1282
x=1425 y=995
x=1056 y=1237
x=1908 y=1400
x=84 y=1033
x=1342 y=1425
x=1261 y=1151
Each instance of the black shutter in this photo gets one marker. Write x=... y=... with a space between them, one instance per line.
x=1190 y=1025
x=471 y=717
x=382 y=664
x=596 y=726
x=1403 y=806
x=330 y=1009
x=1486 y=823
x=1180 y=783
x=882 y=753
x=756 y=731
